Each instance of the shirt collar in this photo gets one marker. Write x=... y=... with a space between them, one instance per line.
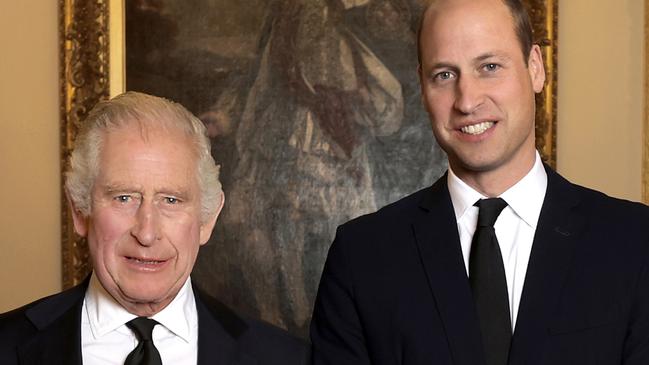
x=462 y=195
x=106 y=315
x=180 y=315
x=525 y=197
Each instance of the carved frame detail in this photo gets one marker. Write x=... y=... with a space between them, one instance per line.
x=544 y=16
x=83 y=45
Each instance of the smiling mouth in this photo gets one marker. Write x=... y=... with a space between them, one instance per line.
x=476 y=129
x=145 y=262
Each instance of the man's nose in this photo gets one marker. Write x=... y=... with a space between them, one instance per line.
x=469 y=95
x=147 y=226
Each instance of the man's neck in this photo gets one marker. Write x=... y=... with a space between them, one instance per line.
x=492 y=183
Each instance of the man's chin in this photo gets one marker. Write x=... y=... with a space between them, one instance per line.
x=474 y=164
x=144 y=301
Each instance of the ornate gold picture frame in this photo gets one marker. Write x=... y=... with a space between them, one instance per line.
x=84 y=81
x=86 y=73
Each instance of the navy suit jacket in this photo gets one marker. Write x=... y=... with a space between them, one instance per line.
x=48 y=331
x=395 y=291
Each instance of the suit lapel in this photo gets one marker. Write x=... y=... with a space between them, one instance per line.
x=58 y=338
x=218 y=332
x=552 y=253
x=438 y=242
x=58 y=323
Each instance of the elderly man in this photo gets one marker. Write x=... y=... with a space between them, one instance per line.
x=144 y=190
x=501 y=261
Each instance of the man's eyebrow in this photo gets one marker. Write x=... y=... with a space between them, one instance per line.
x=442 y=65
x=180 y=193
x=490 y=55
x=113 y=187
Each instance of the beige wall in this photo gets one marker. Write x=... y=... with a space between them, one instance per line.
x=599 y=136
x=600 y=94
x=29 y=160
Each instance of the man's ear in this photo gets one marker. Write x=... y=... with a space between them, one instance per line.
x=536 y=69
x=208 y=226
x=78 y=218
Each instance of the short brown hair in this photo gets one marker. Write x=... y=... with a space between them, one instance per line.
x=522 y=26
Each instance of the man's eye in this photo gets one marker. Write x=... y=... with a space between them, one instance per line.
x=171 y=200
x=444 y=75
x=123 y=198
x=491 y=67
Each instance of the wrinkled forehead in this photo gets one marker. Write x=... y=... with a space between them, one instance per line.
x=142 y=153
x=173 y=141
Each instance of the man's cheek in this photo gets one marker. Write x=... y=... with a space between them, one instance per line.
x=111 y=226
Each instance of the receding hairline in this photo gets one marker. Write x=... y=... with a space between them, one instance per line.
x=525 y=41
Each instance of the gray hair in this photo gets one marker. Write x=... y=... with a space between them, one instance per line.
x=147 y=111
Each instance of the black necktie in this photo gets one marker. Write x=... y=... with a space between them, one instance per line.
x=145 y=353
x=489 y=285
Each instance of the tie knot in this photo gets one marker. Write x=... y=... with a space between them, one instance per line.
x=143 y=327
x=489 y=211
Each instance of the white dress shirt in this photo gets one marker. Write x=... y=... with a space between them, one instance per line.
x=515 y=226
x=105 y=339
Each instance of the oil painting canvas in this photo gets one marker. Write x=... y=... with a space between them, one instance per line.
x=314 y=114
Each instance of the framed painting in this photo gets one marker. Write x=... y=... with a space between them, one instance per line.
x=314 y=114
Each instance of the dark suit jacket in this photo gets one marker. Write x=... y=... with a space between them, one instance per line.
x=395 y=290
x=48 y=331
